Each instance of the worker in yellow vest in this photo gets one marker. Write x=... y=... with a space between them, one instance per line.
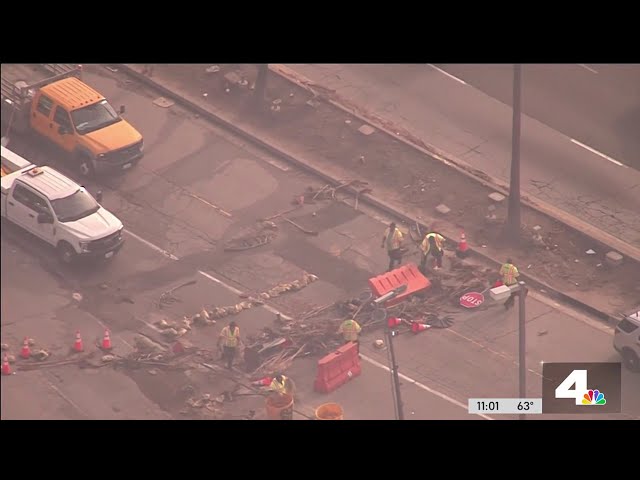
x=509 y=273
x=281 y=385
x=229 y=339
x=393 y=240
x=433 y=243
x=350 y=330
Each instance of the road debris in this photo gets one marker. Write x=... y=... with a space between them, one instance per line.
x=249 y=242
x=167 y=297
x=302 y=229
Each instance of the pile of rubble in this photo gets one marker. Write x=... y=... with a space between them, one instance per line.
x=316 y=332
x=173 y=330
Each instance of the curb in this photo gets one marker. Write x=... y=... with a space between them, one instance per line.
x=377 y=203
x=461 y=166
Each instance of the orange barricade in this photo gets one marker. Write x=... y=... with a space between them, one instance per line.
x=406 y=275
x=337 y=368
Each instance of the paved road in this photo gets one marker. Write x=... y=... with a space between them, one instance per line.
x=442 y=106
x=174 y=238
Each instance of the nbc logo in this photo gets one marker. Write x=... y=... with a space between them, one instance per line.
x=594 y=397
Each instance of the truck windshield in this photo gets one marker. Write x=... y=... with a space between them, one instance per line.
x=74 y=207
x=94 y=117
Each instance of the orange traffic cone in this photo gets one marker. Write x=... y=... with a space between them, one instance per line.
x=263 y=382
x=6 y=368
x=77 y=345
x=463 y=248
x=419 y=327
x=25 y=352
x=106 y=341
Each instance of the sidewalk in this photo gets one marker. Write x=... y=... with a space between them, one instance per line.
x=469 y=125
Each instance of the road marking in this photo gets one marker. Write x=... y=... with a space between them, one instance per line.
x=593 y=150
x=215 y=207
x=423 y=387
x=592 y=70
x=152 y=246
x=448 y=75
x=67 y=399
x=268 y=308
x=597 y=324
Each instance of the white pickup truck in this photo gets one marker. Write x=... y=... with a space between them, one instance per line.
x=54 y=208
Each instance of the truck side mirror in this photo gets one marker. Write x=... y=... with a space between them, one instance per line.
x=122 y=109
x=99 y=196
x=44 y=218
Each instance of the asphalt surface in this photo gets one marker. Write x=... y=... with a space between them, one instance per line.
x=174 y=237
x=580 y=129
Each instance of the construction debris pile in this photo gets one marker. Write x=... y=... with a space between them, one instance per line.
x=265 y=235
x=316 y=332
x=327 y=192
x=173 y=330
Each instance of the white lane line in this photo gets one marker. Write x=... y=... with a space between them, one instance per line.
x=600 y=154
x=423 y=387
x=67 y=399
x=152 y=246
x=592 y=70
x=448 y=75
x=268 y=308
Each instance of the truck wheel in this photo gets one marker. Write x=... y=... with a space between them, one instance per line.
x=631 y=360
x=85 y=165
x=66 y=253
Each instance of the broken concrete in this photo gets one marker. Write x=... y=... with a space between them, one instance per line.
x=496 y=197
x=614 y=258
x=442 y=209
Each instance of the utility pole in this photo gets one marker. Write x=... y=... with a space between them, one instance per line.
x=522 y=347
x=396 y=378
x=513 y=221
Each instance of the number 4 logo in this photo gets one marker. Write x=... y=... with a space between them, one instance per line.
x=577 y=378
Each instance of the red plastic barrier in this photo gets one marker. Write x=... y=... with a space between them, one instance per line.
x=337 y=368
x=406 y=275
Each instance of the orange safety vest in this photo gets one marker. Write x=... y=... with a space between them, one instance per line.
x=509 y=274
x=394 y=239
x=350 y=330
x=230 y=338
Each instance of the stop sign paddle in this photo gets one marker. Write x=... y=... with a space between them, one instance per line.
x=471 y=300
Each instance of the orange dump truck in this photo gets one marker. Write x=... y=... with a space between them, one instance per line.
x=52 y=101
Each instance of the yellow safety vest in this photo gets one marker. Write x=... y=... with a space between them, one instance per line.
x=350 y=330
x=426 y=246
x=509 y=274
x=394 y=239
x=278 y=387
x=230 y=338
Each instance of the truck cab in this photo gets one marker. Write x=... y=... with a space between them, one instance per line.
x=60 y=212
x=626 y=340
x=81 y=121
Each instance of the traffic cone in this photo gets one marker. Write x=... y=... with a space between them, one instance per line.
x=6 y=368
x=263 y=382
x=25 y=352
x=463 y=248
x=106 y=341
x=419 y=327
x=77 y=345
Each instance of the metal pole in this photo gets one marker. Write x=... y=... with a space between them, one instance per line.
x=396 y=378
x=514 y=185
x=522 y=352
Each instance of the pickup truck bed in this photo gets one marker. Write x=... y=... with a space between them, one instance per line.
x=32 y=74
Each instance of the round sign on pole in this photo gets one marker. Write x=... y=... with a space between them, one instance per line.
x=471 y=300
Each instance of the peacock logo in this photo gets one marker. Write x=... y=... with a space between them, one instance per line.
x=594 y=397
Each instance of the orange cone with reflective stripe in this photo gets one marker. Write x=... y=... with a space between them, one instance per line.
x=463 y=248
x=77 y=345
x=106 y=341
x=25 y=352
x=418 y=327
x=6 y=368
